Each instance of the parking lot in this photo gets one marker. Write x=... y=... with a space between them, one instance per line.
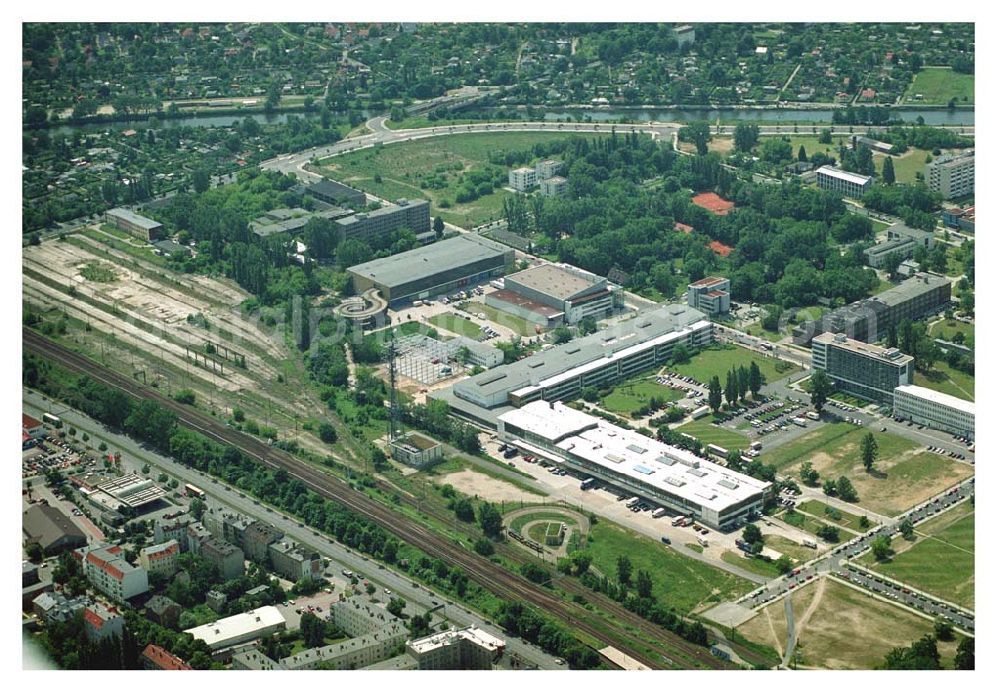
x=50 y=454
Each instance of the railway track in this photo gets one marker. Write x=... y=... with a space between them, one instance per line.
x=490 y=576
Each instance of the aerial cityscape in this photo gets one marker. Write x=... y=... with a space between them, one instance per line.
x=498 y=346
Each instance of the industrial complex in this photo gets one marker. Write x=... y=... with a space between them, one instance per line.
x=552 y=293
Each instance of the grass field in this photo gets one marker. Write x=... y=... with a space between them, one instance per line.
x=758 y=331
x=401 y=170
x=717 y=361
x=751 y=564
x=947 y=380
x=796 y=551
x=818 y=509
x=941 y=560
x=515 y=323
x=678 y=581
x=813 y=145
x=938 y=85
x=519 y=522
x=456 y=324
x=905 y=166
x=632 y=394
x=904 y=473
x=706 y=432
x=841 y=628
x=812 y=525
x=948 y=328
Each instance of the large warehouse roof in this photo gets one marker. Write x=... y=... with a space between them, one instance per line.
x=232 y=629
x=427 y=261
x=643 y=460
x=555 y=281
x=134 y=218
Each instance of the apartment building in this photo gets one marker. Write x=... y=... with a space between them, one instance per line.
x=522 y=179
x=554 y=187
x=293 y=561
x=107 y=570
x=861 y=369
x=470 y=648
x=160 y=558
x=843 y=182
x=544 y=169
x=226 y=556
x=952 y=175
x=414 y=215
x=101 y=622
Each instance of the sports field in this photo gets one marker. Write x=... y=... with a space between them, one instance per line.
x=435 y=169
x=904 y=473
x=841 y=628
x=678 y=581
x=938 y=85
x=717 y=361
x=706 y=432
x=941 y=559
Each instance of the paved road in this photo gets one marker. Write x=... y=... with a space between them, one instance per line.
x=418 y=596
x=791 y=639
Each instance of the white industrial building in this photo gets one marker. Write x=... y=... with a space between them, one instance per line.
x=935 y=409
x=238 y=629
x=843 y=182
x=669 y=476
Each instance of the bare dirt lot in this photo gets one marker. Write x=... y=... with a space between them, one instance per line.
x=480 y=485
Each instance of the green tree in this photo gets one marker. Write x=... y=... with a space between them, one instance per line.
x=438 y=227
x=714 y=394
x=821 y=387
x=490 y=520
x=830 y=487
x=624 y=570
x=562 y=335
x=784 y=564
x=825 y=136
x=906 y=529
x=200 y=179
x=869 y=451
x=395 y=606
x=965 y=656
x=697 y=133
x=828 y=533
x=752 y=534
x=464 y=510
x=483 y=547
x=756 y=379
x=882 y=548
x=888 y=171
x=327 y=433
x=865 y=522
x=845 y=490
x=943 y=630
x=808 y=474
x=730 y=391
x=745 y=137
x=588 y=325
x=803 y=158
x=34 y=552
x=644 y=584
x=681 y=354
x=196 y=508
x=313 y=630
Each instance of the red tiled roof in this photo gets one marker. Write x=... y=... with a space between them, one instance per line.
x=172 y=549
x=101 y=563
x=163 y=659
x=92 y=618
x=716 y=293
x=705 y=282
x=711 y=201
x=29 y=422
x=720 y=248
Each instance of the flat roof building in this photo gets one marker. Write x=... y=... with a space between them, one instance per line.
x=878 y=256
x=132 y=490
x=869 y=320
x=861 y=369
x=332 y=192
x=843 y=182
x=237 y=629
x=568 y=291
x=438 y=268
x=522 y=179
x=470 y=648
x=136 y=225
x=900 y=230
x=669 y=476
x=952 y=175
x=684 y=34
x=709 y=295
x=545 y=169
x=294 y=561
x=405 y=214
x=52 y=529
x=935 y=409
x=554 y=186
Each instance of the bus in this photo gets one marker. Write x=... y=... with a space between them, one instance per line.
x=194 y=491
x=587 y=484
x=659 y=512
x=52 y=420
x=717 y=450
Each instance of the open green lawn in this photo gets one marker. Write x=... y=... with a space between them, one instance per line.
x=813 y=145
x=796 y=551
x=508 y=320
x=938 y=85
x=905 y=166
x=844 y=519
x=678 y=581
x=812 y=525
x=758 y=331
x=904 y=473
x=947 y=380
x=946 y=329
x=628 y=396
x=704 y=430
x=456 y=324
x=882 y=286
x=717 y=361
x=755 y=565
x=401 y=168
x=941 y=560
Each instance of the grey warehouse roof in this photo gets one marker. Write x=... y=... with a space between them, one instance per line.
x=140 y=220
x=553 y=280
x=429 y=260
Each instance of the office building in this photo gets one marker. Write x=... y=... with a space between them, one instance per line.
x=665 y=475
x=869 y=320
x=161 y=558
x=873 y=145
x=107 y=570
x=555 y=293
x=52 y=529
x=241 y=628
x=522 y=179
x=554 y=186
x=357 y=618
x=861 y=369
x=599 y=359
x=544 y=169
x=334 y=193
x=843 y=182
x=443 y=267
x=293 y=561
x=901 y=241
x=371 y=226
x=470 y=648
x=135 y=224
x=952 y=175
x=921 y=238
x=709 y=295
x=935 y=409
x=960 y=218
